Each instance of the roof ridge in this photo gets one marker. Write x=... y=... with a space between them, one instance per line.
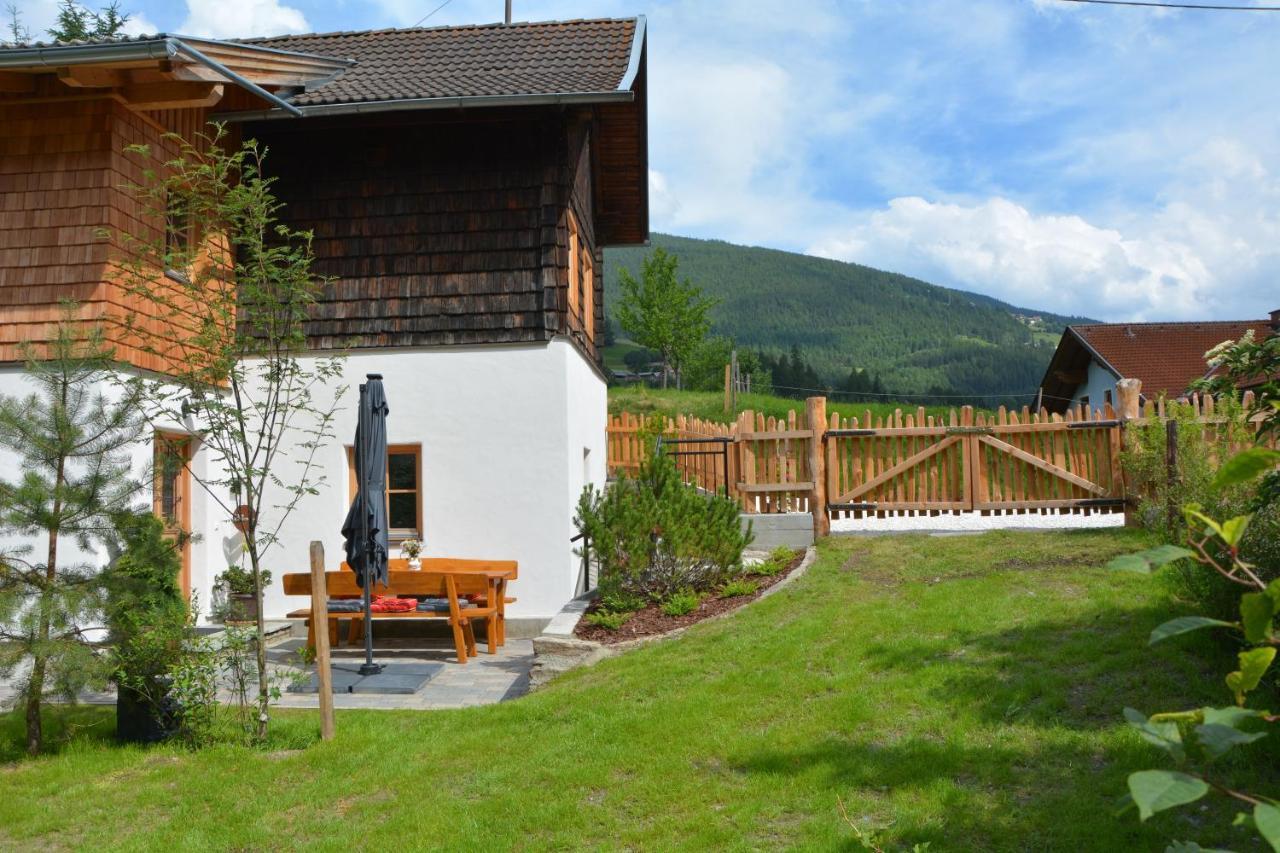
x=485 y=26
x=1266 y=321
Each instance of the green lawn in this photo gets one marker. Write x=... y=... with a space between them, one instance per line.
x=964 y=691
x=709 y=405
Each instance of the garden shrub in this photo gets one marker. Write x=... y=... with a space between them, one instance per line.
x=148 y=621
x=1199 y=455
x=654 y=536
x=779 y=558
x=739 y=586
x=681 y=602
x=609 y=619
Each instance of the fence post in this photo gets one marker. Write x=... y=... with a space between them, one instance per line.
x=1171 y=471
x=1129 y=407
x=320 y=630
x=816 y=412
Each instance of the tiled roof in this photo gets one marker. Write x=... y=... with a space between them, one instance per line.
x=1167 y=357
x=472 y=61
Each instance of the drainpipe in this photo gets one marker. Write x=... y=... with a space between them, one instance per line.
x=183 y=47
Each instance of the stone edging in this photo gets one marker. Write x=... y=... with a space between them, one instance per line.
x=557 y=650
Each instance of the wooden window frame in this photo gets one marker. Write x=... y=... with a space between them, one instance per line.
x=588 y=275
x=582 y=282
x=575 y=264
x=395 y=534
x=182 y=497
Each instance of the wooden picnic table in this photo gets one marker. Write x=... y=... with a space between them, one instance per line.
x=438 y=577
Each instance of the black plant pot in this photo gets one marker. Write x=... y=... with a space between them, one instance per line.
x=242 y=607
x=139 y=720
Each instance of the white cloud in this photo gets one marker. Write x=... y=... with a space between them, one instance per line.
x=663 y=204
x=241 y=19
x=1052 y=262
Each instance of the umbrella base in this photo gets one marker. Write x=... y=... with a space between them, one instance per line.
x=397 y=678
x=370 y=668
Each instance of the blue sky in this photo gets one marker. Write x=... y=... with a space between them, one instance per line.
x=1115 y=162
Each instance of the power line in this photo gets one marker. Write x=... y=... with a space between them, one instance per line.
x=901 y=395
x=1154 y=5
x=432 y=12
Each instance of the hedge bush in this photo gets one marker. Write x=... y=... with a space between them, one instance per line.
x=654 y=536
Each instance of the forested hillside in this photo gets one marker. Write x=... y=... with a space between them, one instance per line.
x=918 y=337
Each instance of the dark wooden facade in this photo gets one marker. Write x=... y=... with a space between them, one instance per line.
x=443 y=229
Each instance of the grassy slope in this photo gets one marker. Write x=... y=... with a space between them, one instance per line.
x=915 y=334
x=709 y=405
x=944 y=689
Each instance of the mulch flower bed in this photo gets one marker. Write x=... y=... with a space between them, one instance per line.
x=652 y=621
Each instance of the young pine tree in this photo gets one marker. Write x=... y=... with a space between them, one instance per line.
x=71 y=442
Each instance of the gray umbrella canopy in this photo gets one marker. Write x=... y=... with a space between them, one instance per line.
x=365 y=529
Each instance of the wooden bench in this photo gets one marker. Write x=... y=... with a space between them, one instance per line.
x=443 y=578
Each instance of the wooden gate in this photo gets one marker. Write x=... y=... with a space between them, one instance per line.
x=1005 y=461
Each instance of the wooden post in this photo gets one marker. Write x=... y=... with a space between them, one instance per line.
x=1171 y=471
x=816 y=412
x=1129 y=408
x=734 y=380
x=320 y=629
x=728 y=378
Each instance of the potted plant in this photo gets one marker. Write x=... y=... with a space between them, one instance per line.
x=242 y=599
x=412 y=548
x=148 y=624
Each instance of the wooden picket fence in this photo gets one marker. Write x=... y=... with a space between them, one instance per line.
x=1007 y=461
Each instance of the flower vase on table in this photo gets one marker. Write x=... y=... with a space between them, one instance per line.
x=412 y=548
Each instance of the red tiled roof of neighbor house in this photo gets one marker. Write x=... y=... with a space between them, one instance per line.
x=1167 y=357
x=492 y=60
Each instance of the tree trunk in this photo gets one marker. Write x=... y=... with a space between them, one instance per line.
x=665 y=371
x=35 y=685
x=260 y=629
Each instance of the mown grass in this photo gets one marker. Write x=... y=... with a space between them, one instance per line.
x=709 y=405
x=963 y=691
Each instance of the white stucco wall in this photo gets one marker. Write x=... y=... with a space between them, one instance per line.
x=1095 y=387
x=509 y=436
x=16 y=382
x=502 y=430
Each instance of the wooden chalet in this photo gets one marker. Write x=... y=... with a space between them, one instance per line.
x=461 y=184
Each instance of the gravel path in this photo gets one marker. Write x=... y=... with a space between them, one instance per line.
x=973 y=522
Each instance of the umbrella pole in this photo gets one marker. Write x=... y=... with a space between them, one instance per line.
x=368 y=667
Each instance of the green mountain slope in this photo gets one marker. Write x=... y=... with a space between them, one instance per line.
x=917 y=336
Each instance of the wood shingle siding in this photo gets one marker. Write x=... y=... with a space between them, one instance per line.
x=435 y=231
x=63 y=178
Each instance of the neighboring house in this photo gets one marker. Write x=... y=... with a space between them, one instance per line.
x=1165 y=357
x=461 y=183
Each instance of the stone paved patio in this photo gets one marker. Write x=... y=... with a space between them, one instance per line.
x=483 y=680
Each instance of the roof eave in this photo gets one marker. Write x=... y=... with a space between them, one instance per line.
x=637 y=51
x=1097 y=356
x=452 y=102
x=86 y=54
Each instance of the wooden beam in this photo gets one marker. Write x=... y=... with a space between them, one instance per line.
x=13 y=83
x=89 y=77
x=1072 y=377
x=1047 y=467
x=906 y=464
x=172 y=96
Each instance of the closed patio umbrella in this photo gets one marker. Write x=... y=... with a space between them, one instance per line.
x=365 y=529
